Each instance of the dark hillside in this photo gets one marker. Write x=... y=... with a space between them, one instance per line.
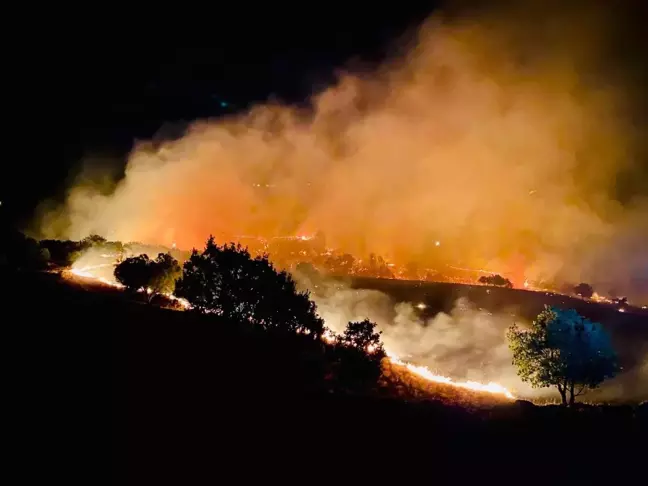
x=440 y=296
x=186 y=398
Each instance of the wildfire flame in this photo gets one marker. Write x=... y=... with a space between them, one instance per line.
x=328 y=336
x=425 y=373
x=86 y=272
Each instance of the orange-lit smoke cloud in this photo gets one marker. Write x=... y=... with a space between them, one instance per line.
x=499 y=134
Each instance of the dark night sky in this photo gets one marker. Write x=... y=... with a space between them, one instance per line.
x=94 y=84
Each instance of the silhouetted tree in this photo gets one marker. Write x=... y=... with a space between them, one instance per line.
x=584 y=290
x=227 y=281
x=496 y=280
x=92 y=240
x=361 y=335
x=359 y=354
x=21 y=252
x=156 y=276
x=164 y=271
x=565 y=350
x=134 y=273
x=62 y=253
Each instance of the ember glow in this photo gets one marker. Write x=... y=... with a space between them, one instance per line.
x=89 y=273
x=422 y=371
x=425 y=373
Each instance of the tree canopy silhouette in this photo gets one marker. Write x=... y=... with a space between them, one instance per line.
x=134 y=273
x=565 y=350
x=359 y=356
x=93 y=240
x=164 y=271
x=584 y=290
x=21 y=252
x=362 y=335
x=62 y=253
x=228 y=281
x=156 y=276
x=496 y=280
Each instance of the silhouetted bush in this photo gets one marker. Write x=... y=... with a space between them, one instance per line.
x=165 y=271
x=227 y=281
x=584 y=290
x=358 y=356
x=62 y=253
x=496 y=280
x=134 y=273
x=92 y=240
x=155 y=276
x=20 y=252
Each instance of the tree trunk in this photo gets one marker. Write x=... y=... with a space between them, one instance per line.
x=571 y=395
x=563 y=394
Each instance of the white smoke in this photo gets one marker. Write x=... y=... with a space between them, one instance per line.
x=466 y=344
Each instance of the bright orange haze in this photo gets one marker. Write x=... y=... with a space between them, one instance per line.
x=504 y=150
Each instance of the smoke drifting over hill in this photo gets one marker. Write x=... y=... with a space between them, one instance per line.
x=502 y=133
x=467 y=344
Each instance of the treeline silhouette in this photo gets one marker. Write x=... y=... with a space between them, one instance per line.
x=189 y=395
x=226 y=281
x=29 y=253
x=203 y=394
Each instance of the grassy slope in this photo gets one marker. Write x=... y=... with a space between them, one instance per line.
x=397 y=382
x=185 y=398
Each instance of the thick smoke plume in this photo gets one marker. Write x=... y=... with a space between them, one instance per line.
x=501 y=133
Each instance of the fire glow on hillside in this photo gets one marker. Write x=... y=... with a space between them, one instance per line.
x=498 y=141
x=89 y=272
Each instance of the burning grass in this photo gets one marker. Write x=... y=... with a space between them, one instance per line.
x=400 y=378
x=400 y=381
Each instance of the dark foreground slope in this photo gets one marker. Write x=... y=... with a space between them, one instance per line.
x=107 y=388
